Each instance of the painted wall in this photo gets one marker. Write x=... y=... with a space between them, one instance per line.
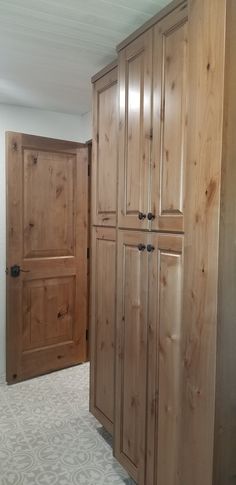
x=36 y=122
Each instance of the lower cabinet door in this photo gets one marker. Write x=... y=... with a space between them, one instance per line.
x=165 y=363
x=102 y=325
x=131 y=352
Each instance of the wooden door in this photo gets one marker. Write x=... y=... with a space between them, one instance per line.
x=135 y=81
x=169 y=121
x=165 y=340
x=47 y=240
x=102 y=325
x=131 y=352
x=105 y=150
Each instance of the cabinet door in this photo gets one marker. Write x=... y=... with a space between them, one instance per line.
x=169 y=121
x=105 y=150
x=165 y=361
x=135 y=71
x=131 y=353
x=102 y=325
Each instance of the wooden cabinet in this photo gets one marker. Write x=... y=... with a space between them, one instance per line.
x=149 y=310
x=131 y=352
x=175 y=386
x=153 y=126
x=105 y=144
x=103 y=307
x=169 y=122
x=135 y=72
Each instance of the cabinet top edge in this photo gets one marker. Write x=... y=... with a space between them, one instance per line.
x=150 y=23
x=104 y=71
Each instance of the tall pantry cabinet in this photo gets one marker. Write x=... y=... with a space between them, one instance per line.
x=163 y=274
x=103 y=245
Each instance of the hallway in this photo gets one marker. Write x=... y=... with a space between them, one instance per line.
x=48 y=436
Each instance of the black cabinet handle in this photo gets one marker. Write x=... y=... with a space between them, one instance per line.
x=150 y=248
x=150 y=216
x=141 y=247
x=141 y=216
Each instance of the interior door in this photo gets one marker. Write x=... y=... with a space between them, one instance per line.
x=131 y=352
x=46 y=255
x=135 y=84
x=170 y=70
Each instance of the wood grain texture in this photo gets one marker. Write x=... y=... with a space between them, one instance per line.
x=169 y=121
x=135 y=78
x=131 y=353
x=202 y=210
x=225 y=417
x=105 y=150
x=102 y=325
x=50 y=298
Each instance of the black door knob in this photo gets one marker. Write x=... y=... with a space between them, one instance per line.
x=141 y=247
x=16 y=271
x=141 y=216
x=150 y=216
x=150 y=248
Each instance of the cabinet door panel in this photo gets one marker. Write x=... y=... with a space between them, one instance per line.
x=103 y=298
x=105 y=151
x=169 y=122
x=135 y=64
x=131 y=354
x=165 y=300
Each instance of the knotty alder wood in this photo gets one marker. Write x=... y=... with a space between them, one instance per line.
x=105 y=150
x=225 y=417
x=131 y=353
x=47 y=238
x=201 y=253
x=135 y=80
x=165 y=376
x=169 y=121
x=149 y=309
x=102 y=325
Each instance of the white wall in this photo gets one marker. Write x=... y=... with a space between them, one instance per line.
x=36 y=122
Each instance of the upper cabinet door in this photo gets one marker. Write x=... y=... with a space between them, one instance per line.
x=169 y=121
x=105 y=150
x=135 y=64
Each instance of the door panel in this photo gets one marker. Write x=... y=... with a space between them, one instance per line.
x=49 y=181
x=102 y=327
x=169 y=122
x=47 y=239
x=105 y=150
x=131 y=353
x=165 y=307
x=135 y=63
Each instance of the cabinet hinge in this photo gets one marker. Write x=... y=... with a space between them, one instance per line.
x=87 y=333
x=88 y=253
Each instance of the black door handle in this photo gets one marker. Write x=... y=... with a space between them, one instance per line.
x=150 y=248
x=16 y=271
x=141 y=247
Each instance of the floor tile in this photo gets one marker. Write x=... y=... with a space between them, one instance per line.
x=48 y=436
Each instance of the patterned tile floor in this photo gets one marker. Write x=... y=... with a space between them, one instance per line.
x=48 y=436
